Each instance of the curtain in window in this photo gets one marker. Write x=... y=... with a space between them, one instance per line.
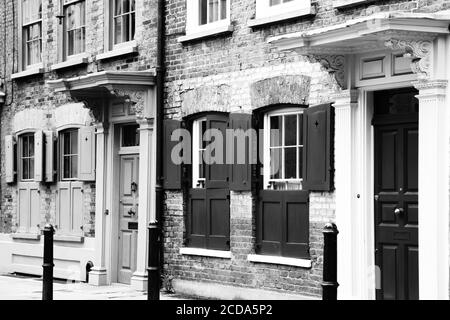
x=32 y=31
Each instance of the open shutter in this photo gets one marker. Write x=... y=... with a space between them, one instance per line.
x=217 y=174
x=197 y=219
x=218 y=223
x=172 y=172
x=49 y=156
x=10 y=158
x=38 y=156
x=318 y=126
x=86 y=163
x=239 y=149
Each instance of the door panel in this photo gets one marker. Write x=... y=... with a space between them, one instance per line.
x=396 y=206
x=128 y=216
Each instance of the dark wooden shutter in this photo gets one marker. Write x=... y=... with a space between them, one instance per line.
x=218 y=223
x=240 y=174
x=283 y=223
x=295 y=224
x=197 y=218
x=172 y=172
x=217 y=174
x=318 y=126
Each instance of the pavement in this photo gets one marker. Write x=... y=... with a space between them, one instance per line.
x=14 y=287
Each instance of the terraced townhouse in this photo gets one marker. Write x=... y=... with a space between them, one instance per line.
x=358 y=90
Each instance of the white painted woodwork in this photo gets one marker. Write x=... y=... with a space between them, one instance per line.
x=128 y=200
x=69 y=205
x=49 y=166
x=38 y=156
x=372 y=68
x=433 y=190
x=86 y=163
x=28 y=207
x=10 y=173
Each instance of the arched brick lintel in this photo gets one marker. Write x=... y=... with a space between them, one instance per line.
x=288 y=89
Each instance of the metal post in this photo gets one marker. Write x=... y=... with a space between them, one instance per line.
x=47 y=281
x=330 y=284
x=153 y=261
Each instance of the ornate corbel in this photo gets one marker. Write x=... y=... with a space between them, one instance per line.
x=135 y=97
x=419 y=51
x=333 y=64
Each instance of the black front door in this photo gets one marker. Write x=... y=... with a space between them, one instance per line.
x=396 y=205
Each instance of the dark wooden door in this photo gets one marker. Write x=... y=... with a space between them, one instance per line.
x=396 y=206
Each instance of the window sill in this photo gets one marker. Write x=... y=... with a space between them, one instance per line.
x=342 y=4
x=205 y=253
x=259 y=258
x=117 y=52
x=71 y=62
x=26 y=236
x=28 y=72
x=219 y=30
x=280 y=17
x=66 y=238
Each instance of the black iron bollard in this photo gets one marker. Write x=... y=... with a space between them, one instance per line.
x=330 y=284
x=153 y=261
x=47 y=281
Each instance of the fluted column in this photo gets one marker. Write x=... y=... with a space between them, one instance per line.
x=433 y=189
x=98 y=274
x=345 y=103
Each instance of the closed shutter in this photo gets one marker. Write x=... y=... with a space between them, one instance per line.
x=86 y=163
x=217 y=173
x=283 y=224
x=172 y=172
x=218 y=223
x=197 y=218
x=35 y=208
x=63 y=203
x=38 y=156
x=240 y=148
x=318 y=125
x=10 y=157
x=49 y=156
x=28 y=207
x=76 y=208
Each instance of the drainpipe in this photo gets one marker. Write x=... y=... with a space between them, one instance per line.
x=160 y=78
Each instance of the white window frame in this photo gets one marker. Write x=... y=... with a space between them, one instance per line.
x=20 y=156
x=196 y=127
x=265 y=10
x=61 y=153
x=266 y=146
x=193 y=19
x=64 y=56
x=22 y=40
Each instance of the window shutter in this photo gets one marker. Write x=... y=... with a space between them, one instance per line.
x=218 y=219
x=38 y=156
x=217 y=174
x=318 y=126
x=269 y=223
x=49 y=156
x=35 y=207
x=197 y=218
x=63 y=208
x=23 y=208
x=76 y=208
x=86 y=163
x=10 y=158
x=240 y=174
x=172 y=172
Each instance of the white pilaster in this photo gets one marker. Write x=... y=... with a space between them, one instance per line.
x=98 y=274
x=345 y=103
x=433 y=190
x=147 y=198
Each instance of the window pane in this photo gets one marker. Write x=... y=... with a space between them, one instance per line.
x=32 y=10
x=203 y=12
x=31 y=145
x=300 y=129
x=290 y=126
x=132 y=26
x=132 y=5
x=300 y=162
x=117 y=7
x=201 y=172
x=223 y=9
x=74 y=166
x=25 y=171
x=126 y=6
x=213 y=10
x=126 y=28
x=74 y=142
x=25 y=146
x=118 y=30
x=66 y=167
x=31 y=168
x=275 y=131
x=275 y=163
x=130 y=136
x=290 y=158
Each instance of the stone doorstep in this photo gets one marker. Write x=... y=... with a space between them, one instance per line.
x=206 y=290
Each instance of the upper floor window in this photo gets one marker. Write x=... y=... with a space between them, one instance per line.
x=26 y=145
x=69 y=154
x=207 y=14
x=283 y=149
x=123 y=20
x=268 y=8
x=74 y=27
x=31 y=32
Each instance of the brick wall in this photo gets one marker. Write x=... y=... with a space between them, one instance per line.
x=233 y=63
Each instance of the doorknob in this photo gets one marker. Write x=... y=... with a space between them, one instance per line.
x=399 y=211
x=134 y=187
